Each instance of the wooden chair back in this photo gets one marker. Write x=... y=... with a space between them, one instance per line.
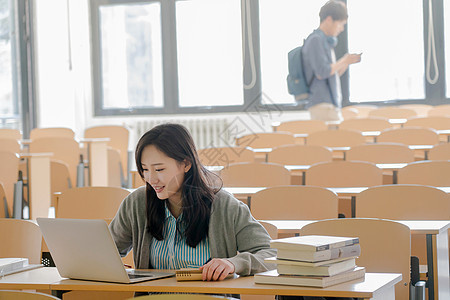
x=439 y=110
x=59 y=176
x=381 y=153
x=336 y=138
x=9 y=170
x=365 y=124
x=24 y=295
x=271 y=229
x=37 y=133
x=403 y=202
x=223 y=156
x=420 y=109
x=119 y=139
x=295 y=203
x=393 y=112
x=344 y=174
x=90 y=202
x=349 y=113
x=63 y=148
x=114 y=168
x=299 y=155
x=302 y=126
x=440 y=152
x=409 y=136
x=8 y=133
x=3 y=202
x=362 y=109
x=266 y=140
x=255 y=175
x=436 y=122
x=434 y=173
x=20 y=238
x=9 y=145
x=385 y=245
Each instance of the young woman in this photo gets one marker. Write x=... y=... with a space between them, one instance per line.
x=182 y=218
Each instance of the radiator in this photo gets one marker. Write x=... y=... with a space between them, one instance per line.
x=211 y=132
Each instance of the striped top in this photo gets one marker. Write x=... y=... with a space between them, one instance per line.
x=173 y=252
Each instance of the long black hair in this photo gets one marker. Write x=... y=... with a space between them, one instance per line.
x=198 y=188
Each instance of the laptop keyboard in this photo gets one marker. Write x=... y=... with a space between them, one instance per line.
x=132 y=276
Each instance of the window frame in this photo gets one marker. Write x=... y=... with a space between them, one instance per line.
x=434 y=94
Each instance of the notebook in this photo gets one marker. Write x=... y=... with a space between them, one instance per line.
x=85 y=249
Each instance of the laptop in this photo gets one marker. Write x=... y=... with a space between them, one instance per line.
x=85 y=249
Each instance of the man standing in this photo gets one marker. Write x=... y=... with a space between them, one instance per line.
x=320 y=66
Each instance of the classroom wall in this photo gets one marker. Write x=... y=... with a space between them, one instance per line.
x=64 y=75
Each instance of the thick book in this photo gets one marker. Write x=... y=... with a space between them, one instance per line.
x=313 y=242
x=315 y=256
x=272 y=277
x=15 y=265
x=288 y=267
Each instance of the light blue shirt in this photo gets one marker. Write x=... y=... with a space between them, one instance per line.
x=173 y=252
x=318 y=55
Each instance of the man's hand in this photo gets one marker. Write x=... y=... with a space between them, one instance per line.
x=217 y=269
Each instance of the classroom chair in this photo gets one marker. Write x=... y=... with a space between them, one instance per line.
x=434 y=173
x=344 y=174
x=115 y=174
x=10 y=145
x=119 y=140
x=266 y=139
x=434 y=122
x=349 y=113
x=302 y=126
x=37 y=133
x=255 y=175
x=440 y=152
x=365 y=124
x=385 y=245
x=59 y=176
x=9 y=171
x=24 y=295
x=223 y=156
x=63 y=148
x=392 y=112
x=271 y=229
x=362 y=109
x=20 y=238
x=409 y=136
x=7 y=133
x=420 y=109
x=294 y=203
x=440 y=110
x=89 y=202
x=336 y=138
x=299 y=155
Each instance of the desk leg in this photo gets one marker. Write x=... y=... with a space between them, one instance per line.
x=39 y=187
x=98 y=164
x=303 y=178
x=438 y=260
x=353 y=205
x=394 y=176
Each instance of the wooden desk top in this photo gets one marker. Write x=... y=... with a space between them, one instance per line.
x=366 y=288
x=416 y=227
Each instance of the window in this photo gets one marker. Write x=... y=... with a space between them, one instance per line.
x=209 y=56
x=9 y=114
x=283 y=26
x=131 y=59
x=391 y=40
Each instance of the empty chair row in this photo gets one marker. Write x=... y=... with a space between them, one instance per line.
x=335 y=174
x=379 y=153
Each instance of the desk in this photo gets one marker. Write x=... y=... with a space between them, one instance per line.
x=97 y=152
x=373 y=286
x=39 y=192
x=437 y=249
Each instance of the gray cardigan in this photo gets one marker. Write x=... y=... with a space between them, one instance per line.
x=233 y=233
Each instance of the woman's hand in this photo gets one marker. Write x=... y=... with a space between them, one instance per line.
x=217 y=269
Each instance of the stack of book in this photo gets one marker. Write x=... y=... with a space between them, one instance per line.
x=15 y=265
x=313 y=260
